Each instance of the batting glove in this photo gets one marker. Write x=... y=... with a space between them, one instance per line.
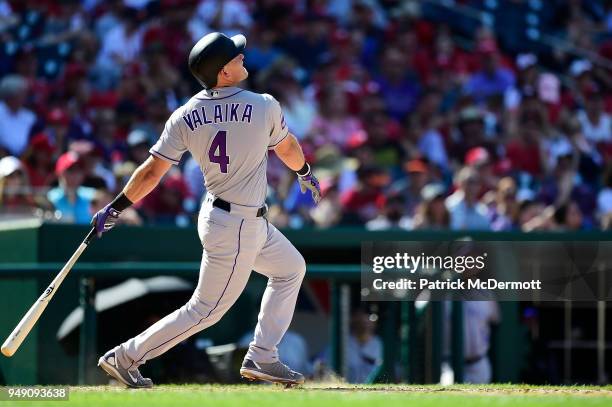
x=105 y=219
x=309 y=182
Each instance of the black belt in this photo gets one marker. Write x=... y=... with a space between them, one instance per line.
x=227 y=207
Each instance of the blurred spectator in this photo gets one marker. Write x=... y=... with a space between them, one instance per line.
x=39 y=160
x=71 y=200
x=169 y=202
x=478 y=318
x=392 y=215
x=262 y=51
x=504 y=211
x=568 y=217
x=604 y=198
x=58 y=127
x=493 y=79
x=468 y=134
x=308 y=45
x=466 y=212
x=411 y=185
x=15 y=193
x=328 y=212
x=425 y=123
x=431 y=214
x=229 y=16
x=17 y=121
x=524 y=152
x=398 y=86
x=596 y=123
x=299 y=109
x=334 y=124
x=138 y=144
x=120 y=45
x=527 y=80
x=534 y=216
x=360 y=202
x=364 y=348
x=110 y=18
x=95 y=174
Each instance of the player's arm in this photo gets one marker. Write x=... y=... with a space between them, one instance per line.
x=290 y=152
x=141 y=183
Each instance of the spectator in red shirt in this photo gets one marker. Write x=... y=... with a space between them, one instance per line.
x=524 y=152
x=360 y=202
x=39 y=161
x=166 y=203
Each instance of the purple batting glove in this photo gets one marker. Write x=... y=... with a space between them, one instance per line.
x=310 y=182
x=105 y=219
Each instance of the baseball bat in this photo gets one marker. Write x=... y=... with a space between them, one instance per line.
x=23 y=328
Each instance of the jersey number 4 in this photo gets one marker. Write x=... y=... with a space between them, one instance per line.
x=218 y=151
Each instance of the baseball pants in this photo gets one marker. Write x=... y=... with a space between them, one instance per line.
x=233 y=244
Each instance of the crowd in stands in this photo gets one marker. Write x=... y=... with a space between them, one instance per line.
x=409 y=122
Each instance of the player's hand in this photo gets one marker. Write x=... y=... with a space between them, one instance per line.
x=105 y=219
x=309 y=182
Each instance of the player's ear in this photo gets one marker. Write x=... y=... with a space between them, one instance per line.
x=225 y=74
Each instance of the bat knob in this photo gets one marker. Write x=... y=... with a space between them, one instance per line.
x=7 y=352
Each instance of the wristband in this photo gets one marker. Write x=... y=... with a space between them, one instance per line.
x=305 y=170
x=121 y=202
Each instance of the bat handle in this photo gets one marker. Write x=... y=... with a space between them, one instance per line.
x=90 y=236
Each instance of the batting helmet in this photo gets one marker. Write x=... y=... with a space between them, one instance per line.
x=211 y=53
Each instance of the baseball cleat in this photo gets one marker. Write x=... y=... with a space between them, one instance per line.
x=276 y=372
x=131 y=378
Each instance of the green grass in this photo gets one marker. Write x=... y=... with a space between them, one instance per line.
x=323 y=395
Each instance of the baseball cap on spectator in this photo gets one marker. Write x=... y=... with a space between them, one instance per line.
x=41 y=142
x=137 y=137
x=477 y=156
x=9 y=165
x=525 y=61
x=470 y=114
x=356 y=139
x=58 y=116
x=433 y=191
x=84 y=147
x=12 y=85
x=66 y=161
x=580 y=66
x=415 y=166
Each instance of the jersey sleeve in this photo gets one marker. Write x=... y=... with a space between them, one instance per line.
x=278 y=126
x=170 y=146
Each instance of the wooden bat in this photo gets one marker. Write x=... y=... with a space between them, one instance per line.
x=23 y=328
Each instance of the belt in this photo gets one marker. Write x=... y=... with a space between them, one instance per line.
x=227 y=207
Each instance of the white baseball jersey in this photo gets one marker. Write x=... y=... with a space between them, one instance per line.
x=228 y=131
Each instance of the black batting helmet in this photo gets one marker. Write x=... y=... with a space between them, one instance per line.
x=211 y=53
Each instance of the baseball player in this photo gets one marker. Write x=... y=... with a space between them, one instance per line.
x=228 y=131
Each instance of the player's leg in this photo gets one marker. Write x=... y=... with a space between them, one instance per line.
x=284 y=266
x=230 y=247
